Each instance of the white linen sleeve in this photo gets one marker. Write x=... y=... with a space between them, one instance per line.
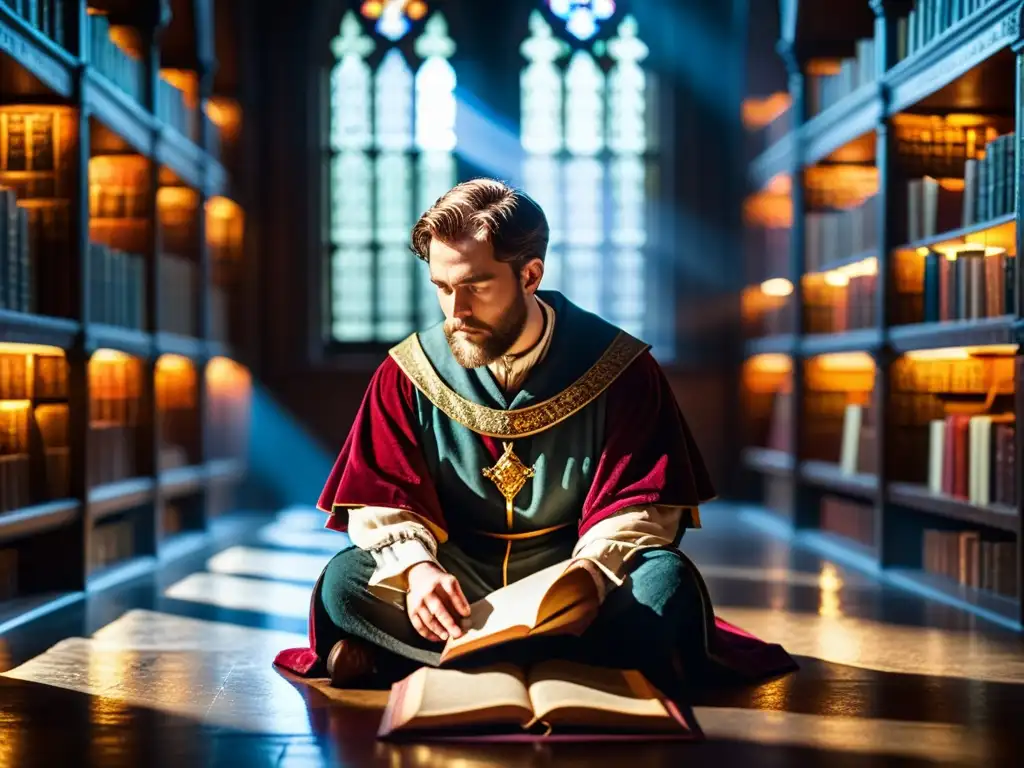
x=611 y=543
x=396 y=539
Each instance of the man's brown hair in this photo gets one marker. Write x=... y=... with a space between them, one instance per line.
x=489 y=211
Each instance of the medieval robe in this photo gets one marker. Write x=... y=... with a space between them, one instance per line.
x=498 y=486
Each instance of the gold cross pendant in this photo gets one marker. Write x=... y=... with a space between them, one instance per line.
x=510 y=475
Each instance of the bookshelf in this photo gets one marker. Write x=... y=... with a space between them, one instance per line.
x=882 y=301
x=124 y=403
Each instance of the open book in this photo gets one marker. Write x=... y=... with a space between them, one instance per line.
x=552 y=601
x=551 y=699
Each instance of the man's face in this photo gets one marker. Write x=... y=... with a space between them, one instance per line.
x=483 y=300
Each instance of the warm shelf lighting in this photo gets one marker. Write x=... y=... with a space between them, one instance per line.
x=14 y=348
x=15 y=405
x=759 y=112
x=770 y=362
x=110 y=356
x=171 y=363
x=177 y=199
x=226 y=114
x=185 y=81
x=962 y=353
x=846 y=361
x=777 y=286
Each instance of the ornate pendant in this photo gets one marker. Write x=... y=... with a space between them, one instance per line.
x=510 y=475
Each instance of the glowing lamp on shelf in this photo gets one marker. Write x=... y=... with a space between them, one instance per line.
x=226 y=114
x=846 y=361
x=582 y=17
x=14 y=348
x=394 y=17
x=963 y=353
x=770 y=362
x=777 y=286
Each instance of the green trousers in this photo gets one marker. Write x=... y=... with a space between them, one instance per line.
x=656 y=616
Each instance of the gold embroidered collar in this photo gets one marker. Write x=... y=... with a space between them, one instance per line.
x=519 y=422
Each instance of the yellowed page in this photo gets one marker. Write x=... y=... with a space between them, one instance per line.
x=513 y=606
x=564 y=685
x=449 y=692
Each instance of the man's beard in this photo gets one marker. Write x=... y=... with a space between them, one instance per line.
x=495 y=342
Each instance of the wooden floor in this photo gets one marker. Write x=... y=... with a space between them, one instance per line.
x=174 y=669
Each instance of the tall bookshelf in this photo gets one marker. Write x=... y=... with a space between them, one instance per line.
x=883 y=304
x=123 y=404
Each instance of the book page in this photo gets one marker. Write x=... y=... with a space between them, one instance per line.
x=508 y=608
x=447 y=692
x=567 y=685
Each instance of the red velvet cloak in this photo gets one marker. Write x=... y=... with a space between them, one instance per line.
x=650 y=457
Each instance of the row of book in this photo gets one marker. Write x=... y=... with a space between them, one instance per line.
x=857 y=451
x=851 y=519
x=119 y=189
x=16 y=277
x=111 y=452
x=986 y=191
x=45 y=15
x=970 y=560
x=854 y=72
x=990 y=182
x=968 y=376
x=178 y=282
x=928 y=20
x=970 y=286
x=830 y=236
x=45 y=378
x=939 y=147
x=117 y=287
x=839 y=308
x=974 y=458
x=118 y=65
x=173 y=109
x=112 y=542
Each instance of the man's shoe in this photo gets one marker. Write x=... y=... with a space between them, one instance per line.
x=349 y=661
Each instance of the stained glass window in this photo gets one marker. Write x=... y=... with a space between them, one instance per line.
x=391 y=139
x=587 y=140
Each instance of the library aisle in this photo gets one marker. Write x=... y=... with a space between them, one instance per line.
x=175 y=669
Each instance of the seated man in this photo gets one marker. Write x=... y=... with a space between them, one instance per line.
x=607 y=472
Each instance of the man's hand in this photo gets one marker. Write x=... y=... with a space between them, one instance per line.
x=435 y=602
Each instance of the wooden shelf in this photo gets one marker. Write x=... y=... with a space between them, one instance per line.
x=1000 y=230
x=954 y=333
x=843 y=122
x=175 y=344
x=109 y=499
x=784 y=344
x=137 y=343
x=920 y=498
x=768 y=461
x=20 y=328
x=968 y=44
x=182 y=481
x=119 y=112
x=830 y=477
x=860 y=340
x=845 y=262
x=958 y=50
x=33 y=51
x=99 y=118
x=180 y=155
x=775 y=160
x=41 y=518
x=968 y=71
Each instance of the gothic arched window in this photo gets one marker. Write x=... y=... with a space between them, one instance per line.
x=589 y=154
x=391 y=144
